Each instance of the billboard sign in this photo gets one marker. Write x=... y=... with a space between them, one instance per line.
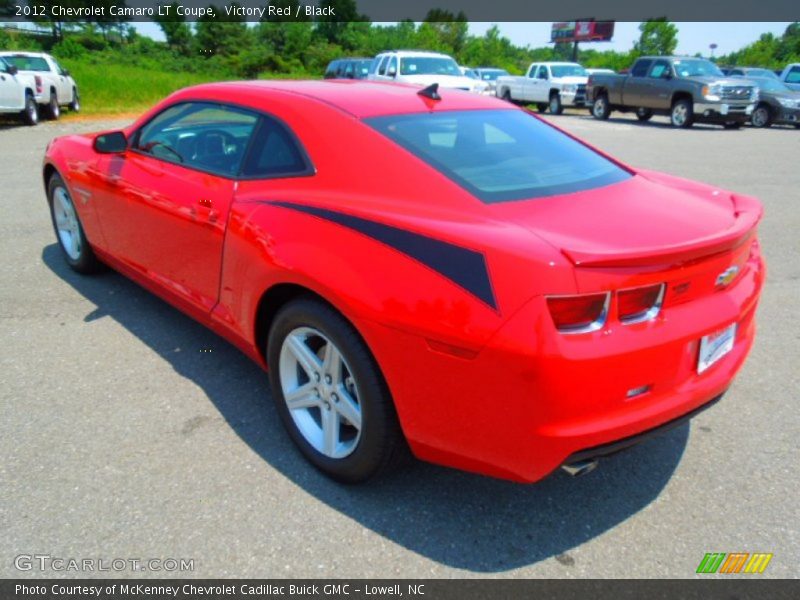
x=582 y=31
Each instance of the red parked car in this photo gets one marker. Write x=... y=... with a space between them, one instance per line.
x=447 y=273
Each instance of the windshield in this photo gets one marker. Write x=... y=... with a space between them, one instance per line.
x=493 y=74
x=500 y=155
x=766 y=73
x=568 y=71
x=28 y=63
x=770 y=85
x=428 y=65
x=362 y=68
x=696 y=67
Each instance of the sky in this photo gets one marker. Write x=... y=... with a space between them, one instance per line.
x=693 y=37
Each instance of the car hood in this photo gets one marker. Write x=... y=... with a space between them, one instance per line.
x=648 y=219
x=734 y=81
x=445 y=81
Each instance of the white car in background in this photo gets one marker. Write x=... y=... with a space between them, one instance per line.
x=423 y=68
x=18 y=94
x=552 y=85
x=791 y=76
x=55 y=86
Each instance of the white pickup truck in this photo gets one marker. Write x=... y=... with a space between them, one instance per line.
x=552 y=85
x=56 y=87
x=18 y=94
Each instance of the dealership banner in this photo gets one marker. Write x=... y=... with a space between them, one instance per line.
x=418 y=589
x=564 y=11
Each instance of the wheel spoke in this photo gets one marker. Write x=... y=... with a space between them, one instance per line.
x=330 y=431
x=332 y=363
x=307 y=359
x=348 y=408
x=304 y=396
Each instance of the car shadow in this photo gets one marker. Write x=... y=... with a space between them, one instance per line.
x=457 y=519
x=660 y=122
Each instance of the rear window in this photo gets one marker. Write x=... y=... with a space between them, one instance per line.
x=500 y=155
x=28 y=63
x=793 y=76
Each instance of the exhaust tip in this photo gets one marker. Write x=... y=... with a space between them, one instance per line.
x=582 y=467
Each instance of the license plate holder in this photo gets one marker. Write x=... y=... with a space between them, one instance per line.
x=714 y=346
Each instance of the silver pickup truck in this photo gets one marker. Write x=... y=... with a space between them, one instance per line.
x=688 y=90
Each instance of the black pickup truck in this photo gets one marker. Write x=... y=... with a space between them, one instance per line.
x=688 y=90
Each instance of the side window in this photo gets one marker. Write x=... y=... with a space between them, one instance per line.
x=391 y=70
x=793 y=76
x=348 y=70
x=543 y=73
x=382 y=67
x=201 y=135
x=640 y=67
x=275 y=153
x=330 y=72
x=58 y=68
x=533 y=72
x=659 y=69
x=373 y=66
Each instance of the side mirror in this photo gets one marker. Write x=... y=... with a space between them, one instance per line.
x=392 y=72
x=113 y=142
x=12 y=70
x=667 y=75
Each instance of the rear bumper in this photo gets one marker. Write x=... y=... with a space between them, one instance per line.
x=533 y=399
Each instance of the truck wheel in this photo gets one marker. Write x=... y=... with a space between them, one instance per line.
x=644 y=114
x=30 y=115
x=762 y=116
x=556 y=108
x=53 y=109
x=507 y=96
x=601 y=109
x=541 y=107
x=682 y=114
x=75 y=105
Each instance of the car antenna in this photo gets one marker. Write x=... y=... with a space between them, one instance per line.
x=432 y=92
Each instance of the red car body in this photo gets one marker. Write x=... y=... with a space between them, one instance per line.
x=481 y=378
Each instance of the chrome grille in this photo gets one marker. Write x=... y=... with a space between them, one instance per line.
x=736 y=92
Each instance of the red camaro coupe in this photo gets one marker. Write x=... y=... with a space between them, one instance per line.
x=441 y=272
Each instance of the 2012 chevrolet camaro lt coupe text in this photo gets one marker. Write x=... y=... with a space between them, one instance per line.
x=443 y=272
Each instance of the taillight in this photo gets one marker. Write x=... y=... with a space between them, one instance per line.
x=38 y=80
x=579 y=314
x=639 y=304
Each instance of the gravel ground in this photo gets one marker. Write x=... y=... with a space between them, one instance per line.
x=129 y=431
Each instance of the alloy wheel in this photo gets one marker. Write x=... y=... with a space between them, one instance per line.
x=67 y=224
x=321 y=393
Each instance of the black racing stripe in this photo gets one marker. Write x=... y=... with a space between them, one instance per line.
x=464 y=267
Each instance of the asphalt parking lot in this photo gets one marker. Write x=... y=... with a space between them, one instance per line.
x=129 y=431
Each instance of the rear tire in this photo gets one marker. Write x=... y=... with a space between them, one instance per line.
x=53 y=109
x=601 y=109
x=350 y=399
x=644 y=114
x=75 y=105
x=555 y=106
x=68 y=228
x=682 y=114
x=30 y=114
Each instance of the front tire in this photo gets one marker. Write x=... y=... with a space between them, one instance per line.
x=601 y=109
x=555 y=106
x=69 y=232
x=330 y=394
x=682 y=114
x=53 y=108
x=507 y=96
x=761 y=117
x=30 y=114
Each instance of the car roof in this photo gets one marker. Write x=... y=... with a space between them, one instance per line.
x=23 y=53
x=402 y=53
x=359 y=98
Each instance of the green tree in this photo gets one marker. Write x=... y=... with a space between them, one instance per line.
x=215 y=36
x=176 y=30
x=657 y=37
x=332 y=28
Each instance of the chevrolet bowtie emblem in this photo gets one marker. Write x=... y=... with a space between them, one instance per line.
x=728 y=275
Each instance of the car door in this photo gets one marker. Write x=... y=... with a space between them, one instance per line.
x=8 y=87
x=636 y=85
x=166 y=214
x=540 y=91
x=658 y=91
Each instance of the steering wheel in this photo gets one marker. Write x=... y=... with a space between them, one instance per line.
x=150 y=145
